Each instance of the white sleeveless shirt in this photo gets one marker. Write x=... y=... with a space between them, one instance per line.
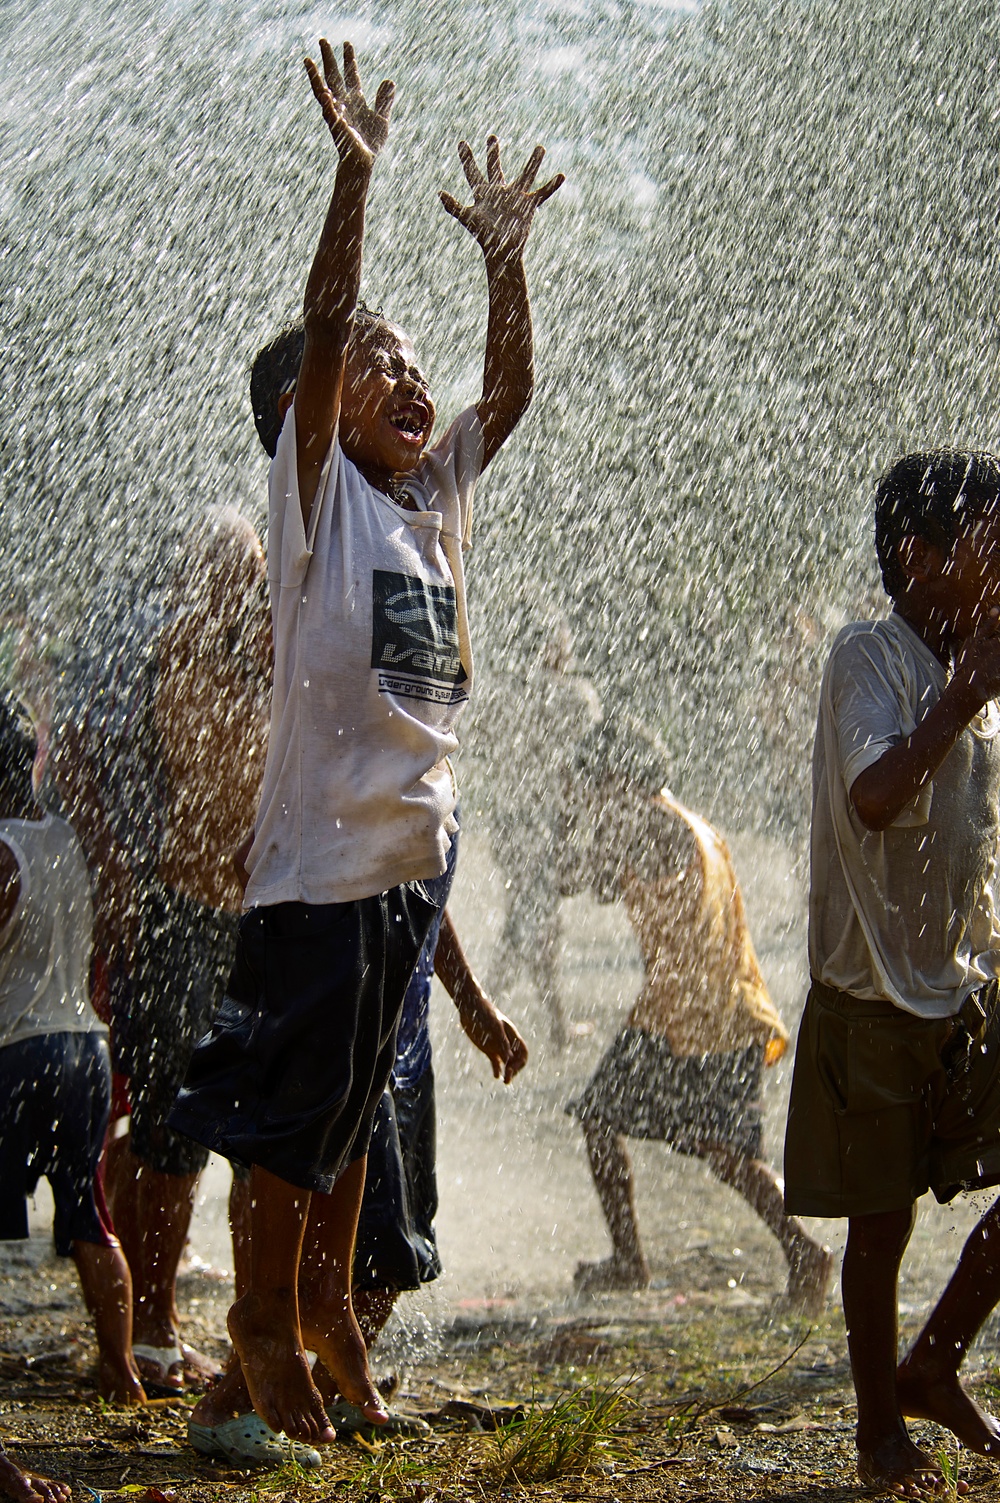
x=45 y=948
x=373 y=665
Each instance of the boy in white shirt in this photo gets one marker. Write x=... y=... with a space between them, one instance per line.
x=372 y=665
x=896 y=1087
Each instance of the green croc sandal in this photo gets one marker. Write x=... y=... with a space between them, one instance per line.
x=247 y=1441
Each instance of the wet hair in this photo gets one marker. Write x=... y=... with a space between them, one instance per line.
x=623 y=751
x=18 y=744
x=275 y=370
x=930 y=495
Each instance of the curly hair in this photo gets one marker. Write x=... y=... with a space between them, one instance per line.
x=930 y=495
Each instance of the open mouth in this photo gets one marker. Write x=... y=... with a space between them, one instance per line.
x=411 y=421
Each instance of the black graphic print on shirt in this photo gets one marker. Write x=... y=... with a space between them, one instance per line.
x=415 y=639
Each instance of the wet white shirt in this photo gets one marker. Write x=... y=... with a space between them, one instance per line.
x=907 y=914
x=45 y=948
x=373 y=665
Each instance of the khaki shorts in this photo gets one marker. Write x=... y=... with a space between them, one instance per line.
x=886 y=1105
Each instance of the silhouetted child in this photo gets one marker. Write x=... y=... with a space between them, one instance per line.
x=372 y=666
x=896 y=1088
x=686 y=1070
x=55 y=1071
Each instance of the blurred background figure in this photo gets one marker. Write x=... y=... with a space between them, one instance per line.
x=160 y=762
x=687 y=1068
x=55 y=1071
x=526 y=732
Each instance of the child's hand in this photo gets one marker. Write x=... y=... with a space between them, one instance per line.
x=978 y=661
x=500 y=214
x=495 y=1035
x=358 y=131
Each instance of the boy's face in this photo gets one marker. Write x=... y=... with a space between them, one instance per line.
x=386 y=413
x=970 y=577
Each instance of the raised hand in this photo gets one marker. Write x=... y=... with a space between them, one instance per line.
x=358 y=130
x=500 y=214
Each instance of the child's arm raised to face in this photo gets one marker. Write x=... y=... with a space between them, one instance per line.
x=359 y=133
x=881 y=792
x=499 y=218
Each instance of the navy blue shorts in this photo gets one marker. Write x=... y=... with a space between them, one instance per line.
x=396 y=1247
x=302 y=1046
x=55 y=1096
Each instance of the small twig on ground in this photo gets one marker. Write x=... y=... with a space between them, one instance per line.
x=741 y=1393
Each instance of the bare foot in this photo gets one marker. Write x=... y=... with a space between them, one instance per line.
x=118 y=1381
x=593 y=1278
x=810 y=1269
x=276 y=1369
x=198 y=1369
x=929 y=1395
x=340 y=1347
x=898 y=1466
x=225 y=1400
x=29 y=1487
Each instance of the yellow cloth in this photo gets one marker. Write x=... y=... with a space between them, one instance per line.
x=703 y=991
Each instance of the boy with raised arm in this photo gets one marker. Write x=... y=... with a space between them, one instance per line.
x=896 y=1088
x=372 y=666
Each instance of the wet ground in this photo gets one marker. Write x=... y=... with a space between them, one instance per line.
x=503 y=1326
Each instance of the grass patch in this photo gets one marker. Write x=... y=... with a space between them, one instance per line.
x=571 y=1436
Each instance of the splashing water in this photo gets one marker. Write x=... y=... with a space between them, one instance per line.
x=772 y=269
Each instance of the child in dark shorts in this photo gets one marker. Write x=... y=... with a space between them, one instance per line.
x=896 y=1088
x=55 y=1071
x=686 y=1070
x=396 y=1248
x=372 y=666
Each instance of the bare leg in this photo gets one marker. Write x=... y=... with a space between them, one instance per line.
x=329 y=1325
x=30 y=1487
x=927 y=1381
x=372 y=1308
x=107 y=1291
x=239 y=1226
x=810 y=1265
x=887 y=1456
x=547 y=976
x=153 y=1215
x=229 y=1396
x=609 y=1163
x=264 y=1323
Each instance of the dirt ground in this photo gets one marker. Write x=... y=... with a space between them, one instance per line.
x=722 y=1396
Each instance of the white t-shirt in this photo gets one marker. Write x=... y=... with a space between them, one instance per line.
x=373 y=664
x=907 y=914
x=45 y=948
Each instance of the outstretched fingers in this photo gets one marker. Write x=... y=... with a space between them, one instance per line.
x=494 y=171
x=384 y=98
x=326 y=100
x=351 y=75
x=457 y=210
x=335 y=82
x=531 y=167
x=470 y=167
x=547 y=189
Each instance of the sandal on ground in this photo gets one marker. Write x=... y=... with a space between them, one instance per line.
x=160 y=1367
x=247 y=1441
x=351 y=1419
